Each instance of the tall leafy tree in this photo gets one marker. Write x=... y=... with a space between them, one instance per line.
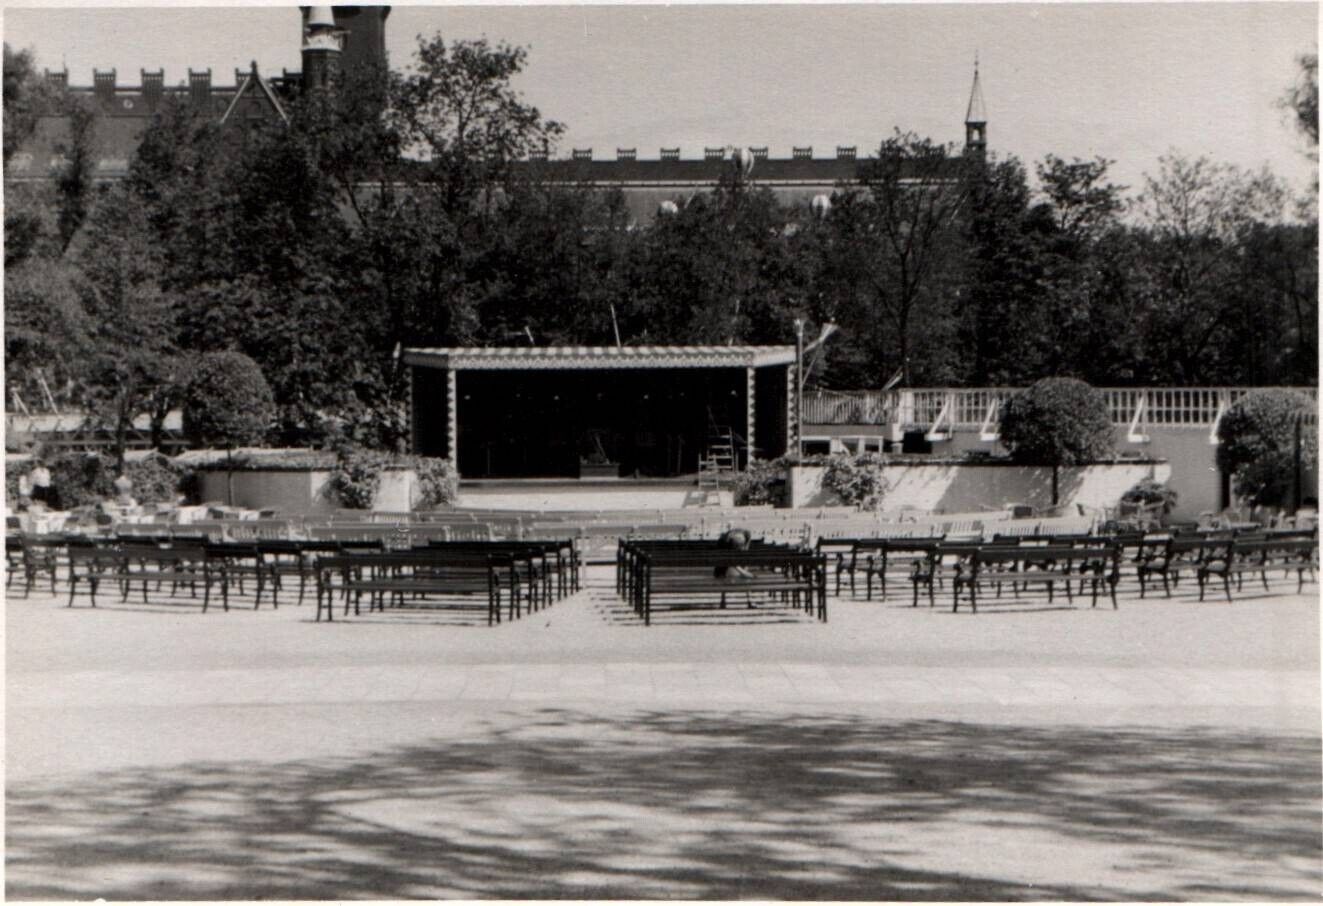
x=897 y=248
x=1199 y=215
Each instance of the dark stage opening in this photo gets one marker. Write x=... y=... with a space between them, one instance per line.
x=629 y=422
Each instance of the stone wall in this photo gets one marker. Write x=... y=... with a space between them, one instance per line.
x=296 y=491
x=973 y=487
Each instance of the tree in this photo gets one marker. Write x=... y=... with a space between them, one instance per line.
x=25 y=97
x=73 y=183
x=897 y=241
x=1082 y=201
x=47 y=332
x=1057 y=422
x=1198 y=214
x=1302 y=98
x=1259 y=437
x=128 y=360
x=460 y=114
x=1004 y=333
x=227 y=404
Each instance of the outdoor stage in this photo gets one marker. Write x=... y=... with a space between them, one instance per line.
x=575 y=412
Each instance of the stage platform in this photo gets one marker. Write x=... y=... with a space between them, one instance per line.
x=587 y=494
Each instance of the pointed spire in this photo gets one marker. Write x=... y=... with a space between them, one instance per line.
x=976 y=113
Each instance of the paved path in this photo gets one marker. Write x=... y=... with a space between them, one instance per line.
x=1166 y=750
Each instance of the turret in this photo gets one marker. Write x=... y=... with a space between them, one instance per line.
x=322 y=43
x=976 y=119
x=359 y=40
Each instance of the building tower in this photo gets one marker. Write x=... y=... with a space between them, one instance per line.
x=322 y=43
x=976 y=120
x=360 y=30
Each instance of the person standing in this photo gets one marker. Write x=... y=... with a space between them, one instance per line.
x=41 y=486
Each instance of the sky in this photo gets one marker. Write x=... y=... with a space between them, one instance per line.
x=1129 y=82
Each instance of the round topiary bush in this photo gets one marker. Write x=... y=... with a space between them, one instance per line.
x=1257 y=438
x=1057 y=422
x=227 y=402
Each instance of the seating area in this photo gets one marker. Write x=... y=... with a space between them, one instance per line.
x=504 y=565
x=1066 y=561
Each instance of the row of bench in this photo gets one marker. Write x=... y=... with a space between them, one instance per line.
x=706 y=572
x=527 y=574
x=524 y=574
x=1094 y=560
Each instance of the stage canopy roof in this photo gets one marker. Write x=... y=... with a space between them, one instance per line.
x=537 y=358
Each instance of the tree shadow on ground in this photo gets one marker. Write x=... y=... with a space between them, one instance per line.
x=655 y=804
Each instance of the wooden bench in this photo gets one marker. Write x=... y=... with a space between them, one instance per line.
x=236 y=561
x=1048 y=564
x=92 y=564
x=548 y=567
x=1167 y=557
x=41 y=555
x=797 y=575
x=889 y=553
x=630 y=551
x=413 y=575
x=944 y=560
x=1259 y=555
x=183 y=564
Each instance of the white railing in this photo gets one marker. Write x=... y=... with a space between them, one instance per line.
x=973 y=408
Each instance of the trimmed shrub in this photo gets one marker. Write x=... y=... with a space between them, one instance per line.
x=357 y=478
x=1057 y=422
x=155 y=479
x=227 y=402
x=762 y=483
x=1257 y=445
x=438 y=482
x=857 y=480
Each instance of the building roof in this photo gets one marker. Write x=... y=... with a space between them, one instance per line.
x=540 y=358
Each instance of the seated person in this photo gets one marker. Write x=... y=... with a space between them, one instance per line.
x=736 y=539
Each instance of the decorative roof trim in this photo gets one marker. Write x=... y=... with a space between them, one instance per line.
x=559 y=358
x=254 y=76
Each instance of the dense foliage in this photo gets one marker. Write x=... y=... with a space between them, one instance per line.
x=356 y=479
x=762 y=483
x=227 y=402
x=81 y=479
x=390 y=212
x=1258 y=444
x=858 y=479
x=1057 y=422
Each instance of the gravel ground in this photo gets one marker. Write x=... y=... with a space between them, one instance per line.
x=1165 y=750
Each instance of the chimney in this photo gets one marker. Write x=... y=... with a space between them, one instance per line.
x=58 y=80
x=805 y=153
x=626 y=153
x=199 y=86
x=714 y=154
x=581 y=154
x=759 y=153
x=103 y=86
x=670 y=153
x=846 y=152
x=153 y=87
